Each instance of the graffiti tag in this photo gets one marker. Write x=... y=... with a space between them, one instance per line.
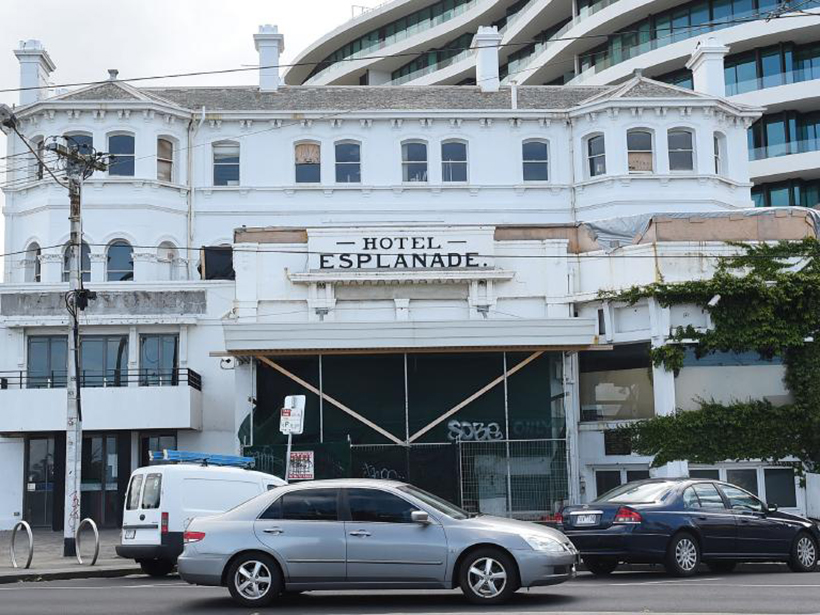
x=467 y=431
x=370 y=471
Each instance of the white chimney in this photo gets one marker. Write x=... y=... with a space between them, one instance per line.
x=35 y=68
x=486 y=43
x=706 y=65
x=269 y=44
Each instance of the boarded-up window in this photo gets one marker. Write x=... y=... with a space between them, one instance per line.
x=308 y=163
x=217 y=263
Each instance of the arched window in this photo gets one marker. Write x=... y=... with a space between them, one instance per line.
x=33 y=267
x=535 y=156
x=167 y=257
x=414 y=161
x=454 y=161
x=165 y=160
x=120 y=262
x=681 y=150
x=348 y=162
x=122 y=148
x=226 y=163
x=596 y=155
x=719 y=142
x=85 y=263
x=639 y=151
x=308 y=160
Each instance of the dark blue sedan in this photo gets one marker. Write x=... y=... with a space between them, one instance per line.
x=682 y=522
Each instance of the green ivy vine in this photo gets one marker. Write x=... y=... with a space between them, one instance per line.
x=765 y=299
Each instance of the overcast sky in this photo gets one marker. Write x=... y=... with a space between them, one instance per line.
x=152 y=37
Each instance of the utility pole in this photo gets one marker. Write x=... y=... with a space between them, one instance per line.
x=79 y=166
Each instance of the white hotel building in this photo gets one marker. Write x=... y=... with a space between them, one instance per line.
x=423 y=263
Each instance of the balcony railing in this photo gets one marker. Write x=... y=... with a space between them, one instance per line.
x=797 y=75
x=784 y=149
x=98 y=379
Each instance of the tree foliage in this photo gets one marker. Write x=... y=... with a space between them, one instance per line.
x=765 y=299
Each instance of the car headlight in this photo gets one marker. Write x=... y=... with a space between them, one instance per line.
x=545 y=543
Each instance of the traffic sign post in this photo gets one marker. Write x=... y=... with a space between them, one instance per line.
x=292 y=421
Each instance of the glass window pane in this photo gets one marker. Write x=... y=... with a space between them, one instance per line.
x=454 y=151
x=122 y=147
x=616 y=384
x=83 y=143
x=308 y=173
x=779 y=196
x=745 y=479
x=690 y=498
x=536 y=171
x=414 y=152
x=596 y=146
x=152 y=492
x=348 y=152
x=120 y=267
x=680 y=140
x=637 y=493
x=741 y=500
x=371 y=505
x=534 y=151
x=681 y=161
x=770 y=63
x=709 y=496
x=780 y=487
x=639 y=140
x=133 y=499
x=633 y=475
x=310 y=505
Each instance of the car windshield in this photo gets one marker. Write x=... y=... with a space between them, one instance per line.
x=442 y=506
x=637 y=493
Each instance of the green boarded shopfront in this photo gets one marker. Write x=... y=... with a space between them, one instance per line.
x=483 y=429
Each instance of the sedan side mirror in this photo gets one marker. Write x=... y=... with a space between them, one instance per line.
x=771 y=507
x=419 y=516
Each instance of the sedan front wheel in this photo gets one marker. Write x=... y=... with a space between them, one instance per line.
x=488 y=576
x=804 y=553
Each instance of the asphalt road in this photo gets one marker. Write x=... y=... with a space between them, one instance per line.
x=747 y=592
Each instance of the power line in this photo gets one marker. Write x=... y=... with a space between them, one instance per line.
x=759 y=16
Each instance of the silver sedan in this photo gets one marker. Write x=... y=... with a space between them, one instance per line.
x=368 y=534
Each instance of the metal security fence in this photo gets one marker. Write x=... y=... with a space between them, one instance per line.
x=432 y=467
x=524 y=479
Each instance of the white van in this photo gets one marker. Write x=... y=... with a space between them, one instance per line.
x=163 y=499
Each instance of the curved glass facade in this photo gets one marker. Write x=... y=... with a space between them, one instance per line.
x=685 y=21
x=781 y=134
x=793 y=193
x=395 y=31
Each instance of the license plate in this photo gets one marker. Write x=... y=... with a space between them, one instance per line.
x=586 y=520
x=130 y=534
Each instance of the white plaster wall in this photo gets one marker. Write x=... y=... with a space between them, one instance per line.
x=11 y=487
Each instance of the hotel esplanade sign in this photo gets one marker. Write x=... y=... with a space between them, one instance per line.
x=401 y=248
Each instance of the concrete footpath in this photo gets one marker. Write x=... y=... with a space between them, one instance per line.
x=48 y=563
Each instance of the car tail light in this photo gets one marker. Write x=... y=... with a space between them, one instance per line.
x=163 y=527
x=559 y=517
x=627 y=515
x=189 y=537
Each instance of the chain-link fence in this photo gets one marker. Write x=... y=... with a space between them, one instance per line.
x=525 y=479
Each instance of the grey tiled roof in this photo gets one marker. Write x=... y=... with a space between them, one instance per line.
x=365 y=98
x=105 y=91
x=654 y=89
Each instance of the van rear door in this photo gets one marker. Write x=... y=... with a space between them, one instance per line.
x=142 y=519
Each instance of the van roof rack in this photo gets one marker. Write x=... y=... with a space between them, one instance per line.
x=205 y=459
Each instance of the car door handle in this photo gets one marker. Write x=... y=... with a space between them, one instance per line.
x=274 y=530
x=360 y=533
x=703 y=518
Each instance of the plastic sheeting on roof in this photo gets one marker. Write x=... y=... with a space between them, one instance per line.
x=614 y=233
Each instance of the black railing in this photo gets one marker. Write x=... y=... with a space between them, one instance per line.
x=99 y=379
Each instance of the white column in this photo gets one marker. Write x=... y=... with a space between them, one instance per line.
x=98 y=260
x=244 y=376
x=133 y=356
x=145 y=266
x=664 y=384
x=572 y=411
x=52 y=268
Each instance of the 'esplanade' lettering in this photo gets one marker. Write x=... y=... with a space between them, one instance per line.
x=399 y=253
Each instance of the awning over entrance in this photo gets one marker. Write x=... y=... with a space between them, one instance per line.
x=391 y=336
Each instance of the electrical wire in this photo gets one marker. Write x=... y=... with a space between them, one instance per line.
x=759 y=16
